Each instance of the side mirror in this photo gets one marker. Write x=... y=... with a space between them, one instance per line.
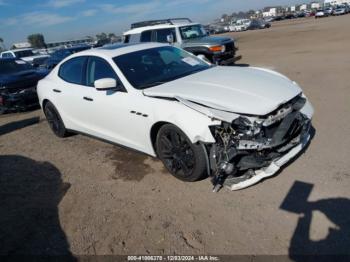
x=170 y=39
x=105 y=84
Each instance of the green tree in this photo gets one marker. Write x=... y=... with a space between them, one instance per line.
x=111 y=35
x=224 y=17
x=102 y=37
x=113 y=38
x=36 y=40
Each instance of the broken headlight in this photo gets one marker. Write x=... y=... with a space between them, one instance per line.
x=245 y=128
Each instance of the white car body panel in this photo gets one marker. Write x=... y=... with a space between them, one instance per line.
x=193 y=104
x=124 y=131
x=238 y=90
x=127 y=129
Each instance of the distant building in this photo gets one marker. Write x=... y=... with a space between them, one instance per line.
x=303 y=7
x=315 y=5
x=272 y=11
x=291 y=9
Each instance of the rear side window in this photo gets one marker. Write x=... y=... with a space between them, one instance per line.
x=98 y=69
x=126 y=39
x=146 y=36
x=163 y=33
x=72 y=71
x=135 y=38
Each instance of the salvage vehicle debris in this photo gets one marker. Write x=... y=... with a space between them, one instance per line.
x=236 y=124
x=18 y=80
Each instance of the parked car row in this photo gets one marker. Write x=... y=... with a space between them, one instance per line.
x=25 y=54
x=335 y=11
x=60 y=54
x=240 y=25
x=40 y=57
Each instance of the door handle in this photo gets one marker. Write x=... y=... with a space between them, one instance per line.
x=88 y=98
x=56 y=90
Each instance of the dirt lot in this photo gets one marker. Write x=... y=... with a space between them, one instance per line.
x=82 y=196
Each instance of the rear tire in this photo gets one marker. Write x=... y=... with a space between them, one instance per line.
x=184 y=160
x=55 y=121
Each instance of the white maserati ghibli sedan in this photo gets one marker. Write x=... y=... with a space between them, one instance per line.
x=237 y=125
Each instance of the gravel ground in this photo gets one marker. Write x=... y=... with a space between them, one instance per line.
x=81 y=196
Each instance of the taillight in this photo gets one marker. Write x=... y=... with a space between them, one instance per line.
x=1 y=100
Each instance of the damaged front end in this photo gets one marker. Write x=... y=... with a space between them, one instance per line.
x=251 y=148
x=18 y=99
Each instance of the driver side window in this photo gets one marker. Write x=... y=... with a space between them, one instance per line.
x=98 y=68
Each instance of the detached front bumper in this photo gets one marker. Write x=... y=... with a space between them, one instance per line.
x=240 y=161
x=270 y=170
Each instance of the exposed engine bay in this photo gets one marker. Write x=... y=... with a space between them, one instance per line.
x=248 y=144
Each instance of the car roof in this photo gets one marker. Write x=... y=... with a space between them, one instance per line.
x=21 y=49
x=118 y=49
x=139 y=30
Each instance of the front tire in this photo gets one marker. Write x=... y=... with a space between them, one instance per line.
x=184 y=160
x=55 y=121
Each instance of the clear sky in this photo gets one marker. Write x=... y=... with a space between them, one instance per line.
x=69 y=19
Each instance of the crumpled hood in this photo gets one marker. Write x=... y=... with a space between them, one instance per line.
x=243 y=90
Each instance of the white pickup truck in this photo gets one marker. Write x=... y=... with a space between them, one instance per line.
x=25 y=54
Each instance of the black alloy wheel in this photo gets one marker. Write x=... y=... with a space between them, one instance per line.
x=55 y=122
x=184 y=160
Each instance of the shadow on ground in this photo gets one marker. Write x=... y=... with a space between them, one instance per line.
x=337 y=211
x=30 y=192
x=13 y=126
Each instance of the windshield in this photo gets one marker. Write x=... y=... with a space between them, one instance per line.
x=24 y=53
x=192 y=31
x=13 y=66
x=151 y=67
